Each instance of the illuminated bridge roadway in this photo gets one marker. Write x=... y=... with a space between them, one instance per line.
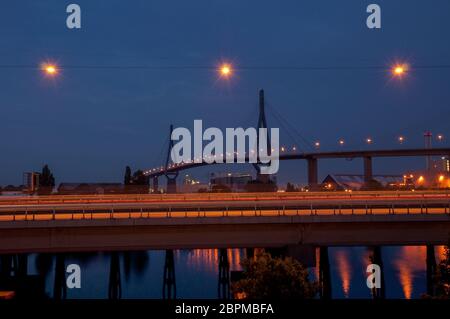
x=311 y=159
x=183 y=221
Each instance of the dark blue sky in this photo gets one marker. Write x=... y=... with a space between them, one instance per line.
x=87 y=124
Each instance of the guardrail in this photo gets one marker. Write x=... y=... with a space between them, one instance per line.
x=388 y=208
x=53 y=199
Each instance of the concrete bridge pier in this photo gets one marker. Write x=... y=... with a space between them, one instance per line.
x=171 y=185
x=368 y=172
x=6 y=265
x=59 y=285
x=22 y=265
x=115 y=284
x=431 y=268
x=313 y=173
x=224 y=275
x=155 y=186
x=169 y=283
x=375 y=258
x=250 y=252
x=324 y=274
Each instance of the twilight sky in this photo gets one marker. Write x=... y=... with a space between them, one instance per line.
x=89 y=123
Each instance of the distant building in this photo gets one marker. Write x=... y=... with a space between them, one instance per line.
x=31 y=181
x=428 y=179
x=191 y=185
x=233 y=181
x=445 y=164
x=90 y=188
x=356 y=181
x=12 y=190
x=189 y=180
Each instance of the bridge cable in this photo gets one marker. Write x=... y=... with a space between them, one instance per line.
x=305 y=141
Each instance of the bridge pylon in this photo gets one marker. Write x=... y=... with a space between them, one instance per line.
x=171 y=176
x=262 y=123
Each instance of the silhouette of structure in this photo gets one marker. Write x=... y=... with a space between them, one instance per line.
x=169 y=283
x=115 y=285
x=59 y=287
x=170 y=175
x=324 y=274
x=224 y=275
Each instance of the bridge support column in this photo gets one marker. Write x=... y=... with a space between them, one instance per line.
x=313 y=173
x=431 y=269
x=22 y=265
x=324 y=274
x=224 y=275
x=59 y=286
x=14 y=265
x=6 y=265
x=250 y=252
x=171 y=185
x=169 y=284
x=115 y=285
x=375 y=258
x=155 y=185
x=368 y=173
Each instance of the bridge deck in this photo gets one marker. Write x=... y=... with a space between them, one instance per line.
x=218 y=232
x=97 y=223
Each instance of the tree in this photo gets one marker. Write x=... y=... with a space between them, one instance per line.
x=274 y=278
x=443 y=277
x=139 y=178
x=291 y=188
x=127 y=177
x=46 y=180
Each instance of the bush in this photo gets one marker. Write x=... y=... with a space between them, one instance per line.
x=274 y=278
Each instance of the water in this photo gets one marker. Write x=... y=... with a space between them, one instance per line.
x=197 y=272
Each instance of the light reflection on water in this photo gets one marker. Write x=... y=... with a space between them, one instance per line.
x=208 y=259
x=410 y=264
x=345 y=270
x=404 y=269
x=197 y=272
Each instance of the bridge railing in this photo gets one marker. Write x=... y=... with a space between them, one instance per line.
x=305 y=209
x=128 y=198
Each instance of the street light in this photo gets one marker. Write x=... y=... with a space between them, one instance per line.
x=369 y=140
x=225 y=70
x=50 y=69
x=401 y=139
x=317 y=144
x=440 y=137
x=341 y=142
x=399 y=70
